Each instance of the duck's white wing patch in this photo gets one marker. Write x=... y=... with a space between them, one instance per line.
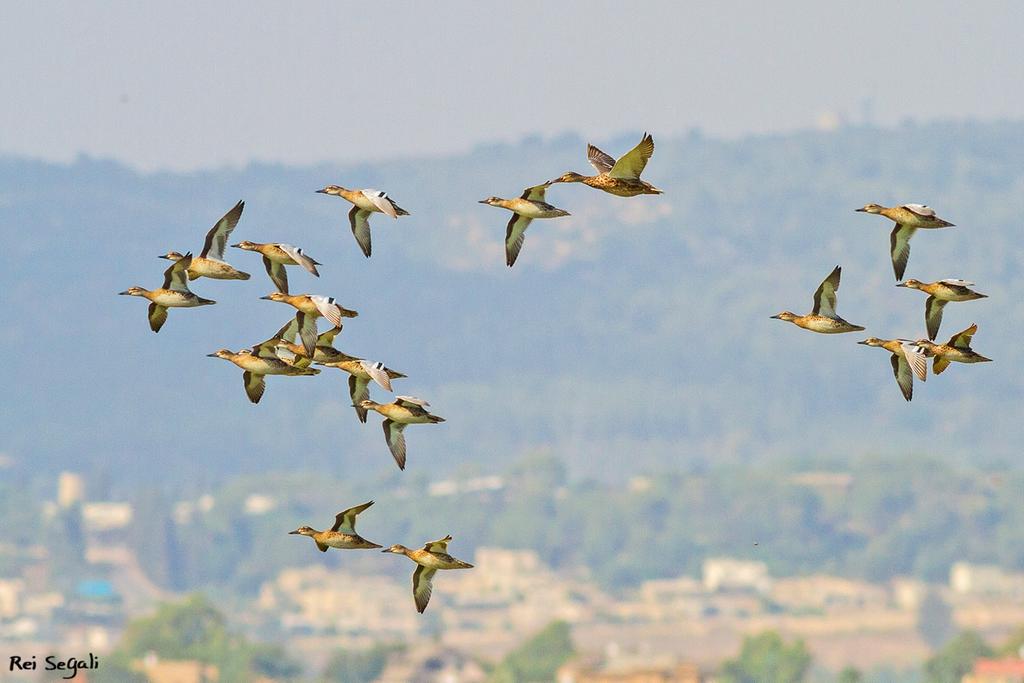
x=633 y=162
x=422 y=586
x=515 y=234
x=300 y=258
x=920 y=209
x=956 y=283
x=601 y=162
x=328 y=308
x=381 y=201
x=917 y=359
x=396 y=441
x=359 y=220
x=176 y=276
x=899 y=248
x=217 y=238
x=377 y=373
x=825 y=296
x=933 y=315
x=411 y=401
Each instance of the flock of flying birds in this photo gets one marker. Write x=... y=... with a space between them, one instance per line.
x=908 y=357
x=299 y=343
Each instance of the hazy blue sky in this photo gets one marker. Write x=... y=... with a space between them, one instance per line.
x=195 y=84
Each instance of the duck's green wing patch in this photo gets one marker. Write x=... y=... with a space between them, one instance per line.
x=825 y=296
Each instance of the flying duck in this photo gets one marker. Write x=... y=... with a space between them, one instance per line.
x=619 y=177
x=524 y=209
x=364 y=203
x=958 y=349
x=277 y=255
x=908 y=218
x=210 y=262
x=908 y=359
x=342 y=535
x=174 y=293
x=939 y=294
x=431 y=557
x=404 y=411
x=311 y=307
x=823 y=317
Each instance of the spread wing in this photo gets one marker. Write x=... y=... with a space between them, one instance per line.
x=933 y=315
x=920 y=210
x=267 y=349
x=328 y=308
x=300 y=258
x=288 y=331
x=396 y=441
x=535 y=193
x=345 y=521
x=515 y=233
x=307 y=332
x=359 y=220
x=358 y=390
x=277 y=274
x=254 y=386
x=825 y=296
x=962 y=340
x=327 y=338
x=632 y=163
x=176 y=276
x=377 y=373
x=410 y=401
x=904 y=378
x=601 y=162
x=438 y=546
x=421 y=586
x=381 y=201
x=157 y=317
x=917 y=359
x=217 y=238
x=953 y=282
x=899 y=248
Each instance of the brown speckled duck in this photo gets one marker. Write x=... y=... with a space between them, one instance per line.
x=173 y=294
x=524 y=209
x=618 y=177
x=210 y=262
x=823 y=317
x=342 y=535
x=431 y=557
x=957 y=349
x=908 y=218
x=939 y=294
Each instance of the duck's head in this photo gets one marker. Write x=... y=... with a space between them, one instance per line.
x=134 y=291
x=332 y=189
x=222 y=353
x=275 y=296
x=871 y=208
x=303 y=531
x=872 y=341
x=912 y=283
x=568 y=177
x=172 y=256
x=247 y=245
x=490 y=201
x=398 y=549
x=785 y=315
x=367 y=404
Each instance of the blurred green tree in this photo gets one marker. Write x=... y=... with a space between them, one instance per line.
x=949 y=664
x=766 y=657
x=537 y=660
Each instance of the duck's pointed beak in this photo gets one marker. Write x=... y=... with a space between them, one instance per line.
x=125 y=293
x=901 y=284
x=864 y=342
x=237 y=246
x=266 y=298
x=293 y=533
x=861 y=210
x=776 y=317
x=212 y=355
x=321 y=191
